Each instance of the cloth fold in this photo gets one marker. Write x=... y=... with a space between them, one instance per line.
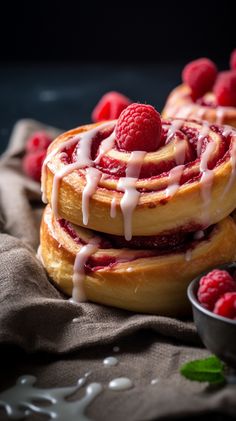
x=37 y=318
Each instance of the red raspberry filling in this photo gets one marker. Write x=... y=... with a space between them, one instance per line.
x=139 y=129
x=200 y=76
x=110 y=107
x=213 y=285
x=225 y=88
x=226 y=306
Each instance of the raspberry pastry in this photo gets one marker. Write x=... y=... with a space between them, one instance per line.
x=132 y=198
x=204 y=94
x=144 y=279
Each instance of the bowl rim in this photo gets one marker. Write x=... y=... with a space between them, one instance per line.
x=191 y=292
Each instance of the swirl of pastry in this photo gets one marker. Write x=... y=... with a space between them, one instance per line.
x=91 y=266
x=188 y=183
x=180 y=104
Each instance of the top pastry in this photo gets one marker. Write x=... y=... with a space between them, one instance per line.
x=205 y=93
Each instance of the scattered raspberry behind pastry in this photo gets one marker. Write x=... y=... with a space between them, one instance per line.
x=226 y=306
x=36 y=148
x=32 y=164
x=37 y=142
x=233 y=60
x=200 y=76
x=213 y=285
x=110 y=106
x=225 y=88
x=139 y=128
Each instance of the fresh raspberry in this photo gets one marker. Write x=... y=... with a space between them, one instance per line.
x=110 y=106
x=39 y=141
x=213 y=285
x=32 y=164
x=139 y=128
x=233 y=60
x=225 y=88
x=226 y=305
x=200 y=76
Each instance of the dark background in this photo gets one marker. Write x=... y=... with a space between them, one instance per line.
x=58 y=58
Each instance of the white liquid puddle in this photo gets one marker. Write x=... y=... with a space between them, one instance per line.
x=154 y=381
x=110 y=361
x=24 y=398
x=121 y=383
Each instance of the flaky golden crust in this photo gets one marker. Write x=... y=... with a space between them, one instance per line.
x=180 y=105
x=151 y=285
x=154 y=213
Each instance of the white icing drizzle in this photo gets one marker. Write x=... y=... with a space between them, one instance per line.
x=106 y=145
x=180 y=152
x=227 y=130
x=220 y=113
x=206 y=178
x=233 y=166
x=121 y=383
x=63 y=145
x=188 y=255
x=174 y=180
x=131 y=196
x=174 y=126
x=202 y=134
x=129 y=269
x=24 y=398
x=110 y=361
x=93 y=176
x=113 y=208
x=83 y=159
x=185 y=111
x=198 y=235
x=78 y=293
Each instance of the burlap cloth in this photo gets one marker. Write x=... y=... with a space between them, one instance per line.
x=38 y=337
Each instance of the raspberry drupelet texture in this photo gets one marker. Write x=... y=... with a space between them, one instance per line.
x=37 y=142
x=110 y=106
x=226 y=306
x=32 y=164
x=200 y=76
x=225 y=88
x=139 y=128
x=213 y=285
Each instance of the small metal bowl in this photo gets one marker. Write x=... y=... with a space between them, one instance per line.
x=216 y=332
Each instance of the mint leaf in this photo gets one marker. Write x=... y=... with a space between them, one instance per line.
x=209 y=370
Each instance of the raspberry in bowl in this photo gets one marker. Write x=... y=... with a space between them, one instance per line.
x=213 y=299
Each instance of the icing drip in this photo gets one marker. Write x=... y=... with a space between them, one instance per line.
x=174 y=180
x=93 y=177
x=113 y=208
x=220 y=113
x=198 y=235
x=201 y=113
x=227 y=131
x=106 y=145
x=175 y=125
x=78 y=293
x=110 y=361
x=179 y=151
x=61 y=147
x=185 y=111
x=188 y=255
x=206 y=178
x=83 y=159
x=131 y=196
x=202 y=134
x=233 y=165
x=121 y=383
x=24 y=398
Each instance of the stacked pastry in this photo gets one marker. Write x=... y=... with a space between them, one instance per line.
x=137 y=207
x=205 y=94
